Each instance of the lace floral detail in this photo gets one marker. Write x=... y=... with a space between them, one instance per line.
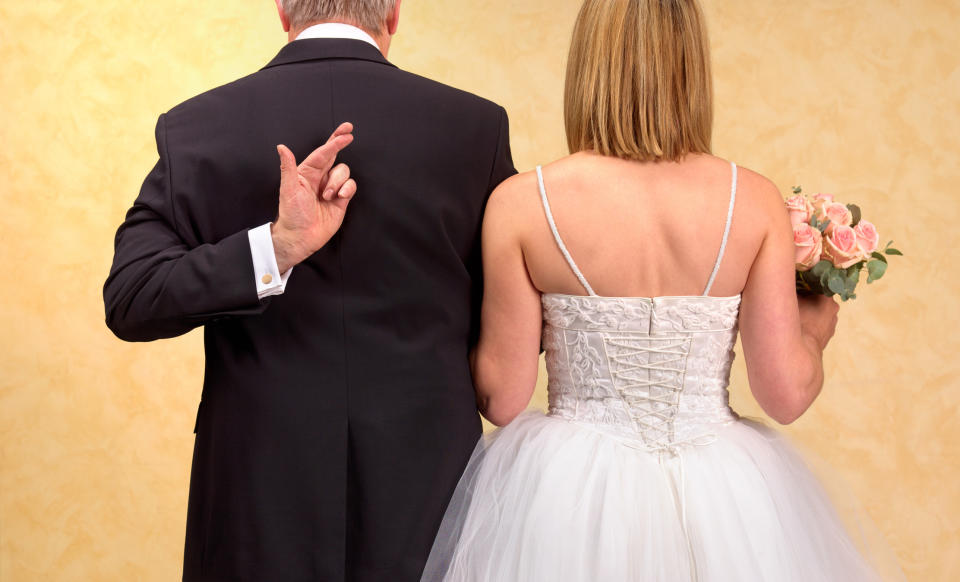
x=584 y=366
x=652 y=371
x=629 y=313
x=696 y=314
x=581 y=312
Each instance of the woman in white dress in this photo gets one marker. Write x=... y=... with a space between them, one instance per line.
x=633 y=262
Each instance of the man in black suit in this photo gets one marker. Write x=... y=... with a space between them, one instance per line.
x=338 y=409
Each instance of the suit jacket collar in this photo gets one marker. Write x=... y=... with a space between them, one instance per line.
x=314 y=49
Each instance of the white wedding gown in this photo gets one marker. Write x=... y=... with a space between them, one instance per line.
x=640 y=471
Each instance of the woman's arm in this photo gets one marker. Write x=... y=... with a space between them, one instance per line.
x=783 y=338
x=506 y=358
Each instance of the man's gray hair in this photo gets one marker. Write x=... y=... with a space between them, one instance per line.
x=369 y=15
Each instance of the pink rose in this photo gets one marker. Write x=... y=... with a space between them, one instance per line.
x=800 y=209
x=840 y=247
x=808 y=244
x=838 y=214
x=867 y=237
x=821 y=200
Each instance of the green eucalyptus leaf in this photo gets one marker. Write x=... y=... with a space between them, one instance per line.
x=836 y=284
x=850 y=284
x=879 y=257
x=851 y=279
x=894 y=252
x=823 y=225
x=825 y=281
x=876 y=269
x=825 y=277
x=797 y=190
x=822 y=267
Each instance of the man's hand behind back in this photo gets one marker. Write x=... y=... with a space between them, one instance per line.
x=313 y=199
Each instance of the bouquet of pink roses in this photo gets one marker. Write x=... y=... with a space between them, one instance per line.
x=834 y=245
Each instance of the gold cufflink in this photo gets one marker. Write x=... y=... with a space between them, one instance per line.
x=267 y=279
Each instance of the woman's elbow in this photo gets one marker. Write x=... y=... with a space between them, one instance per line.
x=786 y=392
x=788 y=404
x=785 y=416
x=500 y=411
x=500 y=407
x=503 y=391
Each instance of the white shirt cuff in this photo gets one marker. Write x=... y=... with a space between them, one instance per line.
x=268 y=277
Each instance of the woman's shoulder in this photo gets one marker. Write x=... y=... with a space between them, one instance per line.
x=758 y=193
x=748 y=180
x=756 y=183
x=754 y=190
x=512 y=204
x=562 y=167
x=516 y=191
x=516 y=203
x=519 y=195
x=522 y=190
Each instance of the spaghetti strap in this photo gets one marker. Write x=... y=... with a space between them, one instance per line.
x=726 y=229
x=556 y=235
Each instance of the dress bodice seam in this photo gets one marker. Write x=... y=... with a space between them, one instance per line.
x=653 y=335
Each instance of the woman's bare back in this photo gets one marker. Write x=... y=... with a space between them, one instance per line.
x=641 y=229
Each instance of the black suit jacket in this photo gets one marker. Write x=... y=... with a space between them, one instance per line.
x=336 y=418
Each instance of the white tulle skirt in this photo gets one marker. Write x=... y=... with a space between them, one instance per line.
x=546 y=499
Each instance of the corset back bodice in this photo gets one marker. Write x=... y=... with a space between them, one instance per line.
x=653 y=371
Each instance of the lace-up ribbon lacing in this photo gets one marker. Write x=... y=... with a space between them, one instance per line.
x=653 y=404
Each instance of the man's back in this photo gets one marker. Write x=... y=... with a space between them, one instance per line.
x=335 y=418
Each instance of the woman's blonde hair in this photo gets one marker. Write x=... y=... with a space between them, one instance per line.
x=638 y=80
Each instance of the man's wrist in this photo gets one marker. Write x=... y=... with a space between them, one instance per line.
x=285 y=251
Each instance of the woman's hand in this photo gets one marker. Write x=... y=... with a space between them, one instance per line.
x=818 y=318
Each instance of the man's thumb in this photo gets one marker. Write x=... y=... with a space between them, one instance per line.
x=288 y=166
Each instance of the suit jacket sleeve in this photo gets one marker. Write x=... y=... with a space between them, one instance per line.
x=160 y=286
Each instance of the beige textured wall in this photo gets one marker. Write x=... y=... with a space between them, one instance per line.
x=855 y=98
